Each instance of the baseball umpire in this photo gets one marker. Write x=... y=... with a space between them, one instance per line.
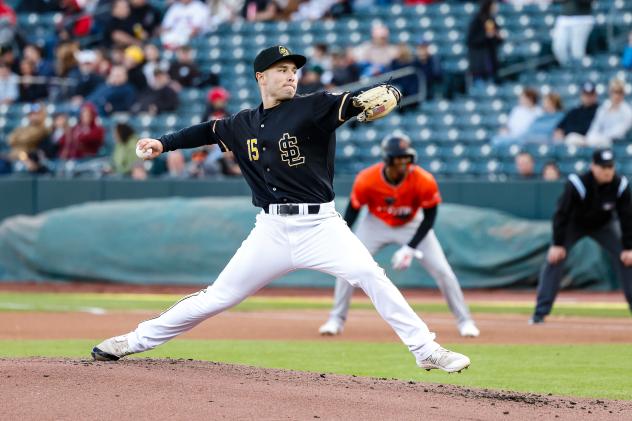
x=285 y=149
x=595 y=204
x=394 y=191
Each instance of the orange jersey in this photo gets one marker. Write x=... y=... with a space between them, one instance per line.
x=395 y=205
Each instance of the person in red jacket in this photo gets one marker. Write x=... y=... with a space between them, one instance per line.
x=85 y=138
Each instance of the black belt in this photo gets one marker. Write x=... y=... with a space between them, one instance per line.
x=292 y=209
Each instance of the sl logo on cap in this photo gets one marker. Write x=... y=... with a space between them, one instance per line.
x=283 y=51
x=607 y=156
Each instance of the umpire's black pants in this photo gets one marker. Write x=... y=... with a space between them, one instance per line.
x=609 y=237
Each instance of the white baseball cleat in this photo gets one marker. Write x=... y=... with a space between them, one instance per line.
x=331 y=328
x=469 y=330
x=445 y=360
x=112 y=349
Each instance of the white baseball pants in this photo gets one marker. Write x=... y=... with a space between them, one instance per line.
x=570 y=36
x=278 y=245
x=375 y=234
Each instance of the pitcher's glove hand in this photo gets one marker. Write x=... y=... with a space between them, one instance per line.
x=377 y=102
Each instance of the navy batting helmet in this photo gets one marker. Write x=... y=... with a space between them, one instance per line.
x=396 y=145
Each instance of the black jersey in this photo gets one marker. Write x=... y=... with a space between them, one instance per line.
x=589 y=206
x=286 y=153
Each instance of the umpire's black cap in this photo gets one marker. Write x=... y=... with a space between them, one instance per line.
x=269 y=56
x=603 y=157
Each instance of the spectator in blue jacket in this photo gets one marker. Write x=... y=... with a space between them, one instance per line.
x=116 y=94
x=626 y=60
x=542 y=128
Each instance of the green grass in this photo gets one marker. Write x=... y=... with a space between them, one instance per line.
x=596 y=371
x=12 y=301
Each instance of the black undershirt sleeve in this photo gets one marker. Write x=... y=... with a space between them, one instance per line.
x=430 y=214
x=351 y=214
x=189 y=137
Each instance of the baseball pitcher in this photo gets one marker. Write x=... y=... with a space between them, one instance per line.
x=285 y=149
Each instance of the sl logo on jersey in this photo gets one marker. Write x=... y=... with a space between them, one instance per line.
x=290 y=152
x=283 y=51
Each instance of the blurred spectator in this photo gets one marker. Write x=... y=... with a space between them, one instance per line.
x=139 y=172
x=159 y=99
x=120 y=29
x=577 y=121
x=525 y=166
x=31 y=88
x=8 y=22
x=103 y=64
x=184 y=20
x=520 y=118
x=176 y=164
x=229 y=165
x=310 y=80
x=32 y=163
x=5 y=165
x=43 y=67
x=483 y=40
x=313 y=10
x=133 y=60
x=66 y=58
x=84 y=139
x=612 y=121
x=321 y=57
x=146 y=18
x=152 y=62
x=260 y=10
x=184 y=71
x=116 y=94
x=550 y=171
x=344 y=70
x=542 y=128
x=626 y=60
x=217 y=100
x=374 y=56
x=7 y=56
x=223 y=11
x=409 y=85
x=429 y=65
x=27 y=138
x=9 y=83
x=85 y=76
x=124 y=154
x=61 y=128
x=572 y=29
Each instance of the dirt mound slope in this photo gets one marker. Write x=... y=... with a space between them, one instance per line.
x=40 y=388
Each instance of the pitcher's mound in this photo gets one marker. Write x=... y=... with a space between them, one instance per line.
x=133 y=389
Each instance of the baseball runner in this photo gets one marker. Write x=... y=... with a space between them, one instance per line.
x=285 y=149
x=394 y=191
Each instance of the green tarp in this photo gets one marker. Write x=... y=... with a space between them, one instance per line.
x=189 y=241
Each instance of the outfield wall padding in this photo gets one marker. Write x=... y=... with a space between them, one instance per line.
x=189 y=241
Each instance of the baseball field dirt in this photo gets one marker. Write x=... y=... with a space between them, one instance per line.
x=144 y=388
x=180 y=389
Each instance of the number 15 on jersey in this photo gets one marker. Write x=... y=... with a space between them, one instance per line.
x=253 y=151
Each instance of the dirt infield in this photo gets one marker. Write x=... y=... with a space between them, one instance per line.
x=363 y=325
x=178 y=389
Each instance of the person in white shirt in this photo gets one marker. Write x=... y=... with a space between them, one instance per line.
x=9 y=83
x=612 y=121
x=184 y=20
x=520 y=118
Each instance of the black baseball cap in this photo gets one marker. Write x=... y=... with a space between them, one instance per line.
x=269 y=56
x=588 y=88
x=603 y=157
